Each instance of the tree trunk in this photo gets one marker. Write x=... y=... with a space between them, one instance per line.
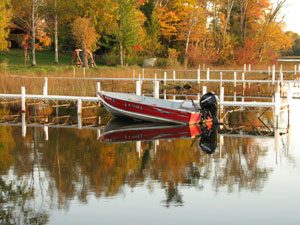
x=187 y=48
x=121 y=54
x=56 y=33
x=33 y=33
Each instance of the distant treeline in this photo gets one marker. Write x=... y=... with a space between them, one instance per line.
x=187 y=32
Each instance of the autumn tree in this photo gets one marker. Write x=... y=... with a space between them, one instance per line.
x=26 y=15
x=85 y=36
x=129 y=30
x=5 y=16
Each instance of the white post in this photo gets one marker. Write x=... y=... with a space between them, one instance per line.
x=245 y=68
x=222 y=95
x=138 y=88
x=139 y=147
x=84 y=72
x=204 y=90
x=281 y=76
x=23 y=100
x=165 y=84
x=281 y=68
x=79 y=107
x=273 y=74
x=207 y=74
x=79 y=119
x=156 y=89
x=243 y=79
x=174 y=75
x=295 y=69
x=234 y=96
x=299 y=68
x=46 y=131
x=269 y=70
x=234 y=78
x=249 y=67
x=198 y=76
x=98 y=134
x=45 y=88
x=143 y=73
x=277 y=103
x=23 y=125
x=98 y=88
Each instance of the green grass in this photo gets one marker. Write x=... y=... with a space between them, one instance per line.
x=12 y=61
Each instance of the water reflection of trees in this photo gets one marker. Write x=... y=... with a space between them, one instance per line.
x=75 y=165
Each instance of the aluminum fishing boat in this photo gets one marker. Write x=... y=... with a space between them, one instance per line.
x=151 y=109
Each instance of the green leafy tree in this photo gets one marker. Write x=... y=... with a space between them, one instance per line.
x=129 y=26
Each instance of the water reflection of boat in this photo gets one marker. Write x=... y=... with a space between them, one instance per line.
x=119 y=130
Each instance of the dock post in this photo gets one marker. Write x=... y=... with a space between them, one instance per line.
x=98 y=134
x=23 y=100
x=165 y=85
x=23 y=125
x=295 y=70
x=234 y=79
x=273 y=74
x=199 y=81
x=207 y=74
x=84 y=72
x=45 y=88
x=249 y=67
x=79 y=107
x=234 y=96
x=174 y=75
x=156 y=87
x=245 y=68
x=204 y=90
x=98 y=88
x=243 y=79
x=221 y=100
x=138 y=87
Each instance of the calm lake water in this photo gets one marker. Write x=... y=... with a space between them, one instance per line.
x=73 y=178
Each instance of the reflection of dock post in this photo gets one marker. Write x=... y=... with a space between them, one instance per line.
x=139 y=147
x=277 y=109
x=23 y=125
x=46 y=130
x=276 y=142
x=98 y=133
x=23 y=100
x=156 y=143
x=79 y=120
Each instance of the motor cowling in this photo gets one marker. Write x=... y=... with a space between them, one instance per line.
x=209 y=105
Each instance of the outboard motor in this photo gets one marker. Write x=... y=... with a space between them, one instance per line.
x=209 y=106
x=208 y=142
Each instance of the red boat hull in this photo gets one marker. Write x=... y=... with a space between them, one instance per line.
x=148 y=112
